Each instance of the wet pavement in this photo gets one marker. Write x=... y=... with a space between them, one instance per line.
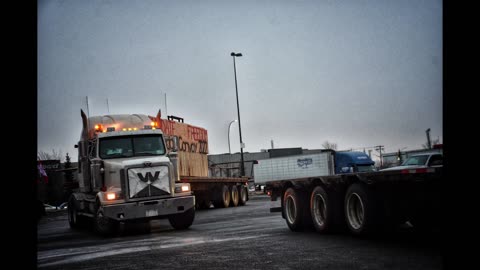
x=246 y=237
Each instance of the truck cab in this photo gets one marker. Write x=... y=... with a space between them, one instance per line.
x=125 y=174
x=349 y=162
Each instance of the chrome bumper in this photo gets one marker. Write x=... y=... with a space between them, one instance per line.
x=149 y=209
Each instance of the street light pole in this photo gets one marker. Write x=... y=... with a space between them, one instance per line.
x=242 y=166
x=229 y=151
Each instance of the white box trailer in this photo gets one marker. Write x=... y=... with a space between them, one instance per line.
x=290 y=167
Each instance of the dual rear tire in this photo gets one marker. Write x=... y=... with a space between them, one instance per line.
x=327 y=212
x=296 y=214
x=234 y=196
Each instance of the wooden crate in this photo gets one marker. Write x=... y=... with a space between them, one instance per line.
x=192 y=145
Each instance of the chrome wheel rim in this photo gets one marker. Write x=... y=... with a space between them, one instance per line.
x=355 y=211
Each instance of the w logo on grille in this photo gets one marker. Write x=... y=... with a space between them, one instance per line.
x=148 y=177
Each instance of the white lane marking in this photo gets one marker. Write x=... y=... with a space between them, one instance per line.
x=102 y=252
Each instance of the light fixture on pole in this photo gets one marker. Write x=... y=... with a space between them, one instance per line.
x=242 y=166
x=229 y=151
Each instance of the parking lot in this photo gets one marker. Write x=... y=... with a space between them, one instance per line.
x=247 y=237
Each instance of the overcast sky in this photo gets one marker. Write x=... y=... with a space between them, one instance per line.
x=356 y=73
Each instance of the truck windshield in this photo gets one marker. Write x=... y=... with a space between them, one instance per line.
x=129 y=146
x=365 y=168
x=416 y=160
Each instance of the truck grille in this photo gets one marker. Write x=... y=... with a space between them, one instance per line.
x=148 y=182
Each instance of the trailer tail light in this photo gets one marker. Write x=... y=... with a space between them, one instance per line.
x=111 y=196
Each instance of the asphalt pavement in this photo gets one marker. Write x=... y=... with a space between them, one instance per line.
x=246 y=237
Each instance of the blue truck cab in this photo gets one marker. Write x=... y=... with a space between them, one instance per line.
x=350 y=162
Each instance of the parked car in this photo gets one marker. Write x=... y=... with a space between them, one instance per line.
x=418 y=161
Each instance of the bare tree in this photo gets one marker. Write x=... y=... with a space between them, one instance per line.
x=329 y=145
x=56 y=155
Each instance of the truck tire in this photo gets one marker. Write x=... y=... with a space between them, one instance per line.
x=295 y=210
x=242 y=195
x=182 y=221
x=75 y=220
x=103 y=225
x=223 y=198
x=326 y=211
x=361 y=211
x=234 y=196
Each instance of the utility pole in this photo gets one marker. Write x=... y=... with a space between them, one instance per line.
x=108 y=108
x=379 y=148
x=271 y=141
x=242 y=145
x=429 y=144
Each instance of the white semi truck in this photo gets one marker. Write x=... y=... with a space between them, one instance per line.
x=126 y=175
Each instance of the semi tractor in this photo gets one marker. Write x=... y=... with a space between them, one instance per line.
x=335 y=191
x=134 y=167
x=125 y=174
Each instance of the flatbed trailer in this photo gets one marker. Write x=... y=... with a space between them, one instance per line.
x=363 y=202
x=220 y=191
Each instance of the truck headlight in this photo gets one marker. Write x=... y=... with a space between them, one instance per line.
x=111 y=196
x=183 y=187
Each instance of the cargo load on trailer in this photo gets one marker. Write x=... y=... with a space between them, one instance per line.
x=191 y=144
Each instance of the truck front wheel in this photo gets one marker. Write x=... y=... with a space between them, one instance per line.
x=102 y=224
x=361 y=212
x=182 y=221
x=74 y=219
